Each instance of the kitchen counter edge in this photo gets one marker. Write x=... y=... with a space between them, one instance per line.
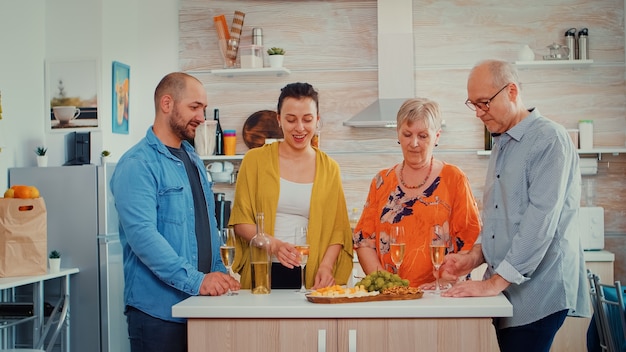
x=289 y=304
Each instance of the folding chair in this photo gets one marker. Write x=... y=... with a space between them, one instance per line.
x=609 y=314
x=51 y=329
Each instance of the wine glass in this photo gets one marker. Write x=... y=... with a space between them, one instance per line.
x=227 y=251
x=397 y=245
x=437 y=253
x=302 y=246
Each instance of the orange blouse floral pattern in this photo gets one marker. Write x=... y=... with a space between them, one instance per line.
x=448 y=203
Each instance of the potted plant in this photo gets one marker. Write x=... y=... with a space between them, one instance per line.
x=54 y=260
x=276 y=56
x=105 y=156
x=42 y=158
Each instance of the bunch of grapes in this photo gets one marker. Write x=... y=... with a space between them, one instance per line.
x=380 y=280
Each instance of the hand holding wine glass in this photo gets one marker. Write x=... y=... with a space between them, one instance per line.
x=227 y=251
x=437 y=253
x=302 y=246
x=397 y=246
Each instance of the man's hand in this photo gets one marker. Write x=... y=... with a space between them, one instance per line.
x=491 y=287
x=455 y=266
x=217 y=284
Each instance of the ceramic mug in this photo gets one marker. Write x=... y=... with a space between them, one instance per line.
x=65 y=114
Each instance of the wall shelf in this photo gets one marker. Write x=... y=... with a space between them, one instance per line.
x=554 y=64
x=265 y=71
x=598 y=151
x=222 y=157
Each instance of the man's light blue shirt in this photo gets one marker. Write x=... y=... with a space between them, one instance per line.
x=530 y=233
x=157 y=227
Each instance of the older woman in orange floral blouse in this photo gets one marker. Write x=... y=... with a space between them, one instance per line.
x=422 y=194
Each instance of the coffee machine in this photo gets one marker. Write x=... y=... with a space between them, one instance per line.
x=222 y=210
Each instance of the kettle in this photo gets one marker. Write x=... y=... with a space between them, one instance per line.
x=557 y=52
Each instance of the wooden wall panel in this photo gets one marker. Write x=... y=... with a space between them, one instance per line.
x=332 y=44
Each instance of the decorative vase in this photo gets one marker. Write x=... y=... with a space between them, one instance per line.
x=42 y=160
x=55 y=264
x=276 y=61
x=526 y=54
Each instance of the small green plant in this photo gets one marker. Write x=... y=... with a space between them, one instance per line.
x=276 y=51
x=55 y=255
x=105 y=153
x=41 y=151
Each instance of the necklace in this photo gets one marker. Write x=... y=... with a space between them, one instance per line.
x=423 y=182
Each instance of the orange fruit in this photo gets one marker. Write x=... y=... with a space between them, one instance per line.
x=22 y=191
x=9 y=193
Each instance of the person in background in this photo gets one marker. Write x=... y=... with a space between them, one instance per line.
x=419 y=193
x=294 y=184
x=167 y=222
x=530 y=237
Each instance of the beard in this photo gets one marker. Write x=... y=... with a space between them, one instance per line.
x=180 y=128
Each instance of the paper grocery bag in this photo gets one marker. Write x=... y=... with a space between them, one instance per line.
x=23 y=237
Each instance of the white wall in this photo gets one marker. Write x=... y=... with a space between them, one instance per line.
x=21 y=82
x=145 y=36
x=139 y=33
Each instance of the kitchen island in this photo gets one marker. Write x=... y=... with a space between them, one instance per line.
x=285 y=321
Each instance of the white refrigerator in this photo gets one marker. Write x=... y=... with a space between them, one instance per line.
x=83 y=226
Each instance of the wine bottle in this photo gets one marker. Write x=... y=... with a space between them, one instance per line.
x=260 y=259
x=488 y=139
x=219 y=134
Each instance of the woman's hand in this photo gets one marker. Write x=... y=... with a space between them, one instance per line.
x=323 y=278
x=286 y=253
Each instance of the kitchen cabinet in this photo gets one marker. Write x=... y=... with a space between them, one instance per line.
x=263 y=335
x=405 y=334
x=332 y=335
x=285 y=321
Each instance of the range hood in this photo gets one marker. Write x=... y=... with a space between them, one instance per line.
x=395 y=65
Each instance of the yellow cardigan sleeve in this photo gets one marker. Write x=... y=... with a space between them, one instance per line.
x=328 y=221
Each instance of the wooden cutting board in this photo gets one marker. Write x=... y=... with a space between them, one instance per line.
x=259 y=126
x=330 y=300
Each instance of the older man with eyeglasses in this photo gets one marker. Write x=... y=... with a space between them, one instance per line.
x=530 y=237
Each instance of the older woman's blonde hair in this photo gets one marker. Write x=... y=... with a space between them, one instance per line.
x=420 y=109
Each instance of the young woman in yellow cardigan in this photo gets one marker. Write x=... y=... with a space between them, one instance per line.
x=294 y=184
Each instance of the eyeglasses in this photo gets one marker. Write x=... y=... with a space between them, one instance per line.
x=483 y=105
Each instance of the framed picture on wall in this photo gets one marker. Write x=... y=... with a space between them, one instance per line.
x=121 y=84
x=72 y=94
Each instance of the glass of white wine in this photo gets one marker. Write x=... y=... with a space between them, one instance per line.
x=397 y=245
x=227 y=251
x=438 y=248
x=302 y=246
